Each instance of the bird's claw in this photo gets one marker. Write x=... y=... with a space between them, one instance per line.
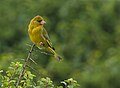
x=41 y=43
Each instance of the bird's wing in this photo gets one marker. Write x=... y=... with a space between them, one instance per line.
x=45 y=35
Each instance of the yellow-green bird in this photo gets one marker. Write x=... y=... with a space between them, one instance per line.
x=39 y=36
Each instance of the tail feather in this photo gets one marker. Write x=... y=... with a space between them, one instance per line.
x=59 y=58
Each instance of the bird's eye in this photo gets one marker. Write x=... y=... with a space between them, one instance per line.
x=39 y=20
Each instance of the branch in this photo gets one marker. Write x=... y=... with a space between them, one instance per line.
x=24 y=66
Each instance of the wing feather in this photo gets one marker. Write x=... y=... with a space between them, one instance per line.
x=45 y=35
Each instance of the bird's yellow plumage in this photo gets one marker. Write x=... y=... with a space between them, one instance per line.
x=39 y=36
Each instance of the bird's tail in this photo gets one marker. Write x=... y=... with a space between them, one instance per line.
x=59 y=58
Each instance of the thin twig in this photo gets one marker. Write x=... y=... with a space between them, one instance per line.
x=33 y=61
x=33 y=69
x=24 y=66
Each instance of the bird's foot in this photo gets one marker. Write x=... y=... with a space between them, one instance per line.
x=41 y=43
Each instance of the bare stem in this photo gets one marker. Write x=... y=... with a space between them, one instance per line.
x=24 y=66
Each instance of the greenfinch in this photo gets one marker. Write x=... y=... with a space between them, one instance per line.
x=39 y=36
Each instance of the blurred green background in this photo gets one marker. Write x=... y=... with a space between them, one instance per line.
x=86 y=33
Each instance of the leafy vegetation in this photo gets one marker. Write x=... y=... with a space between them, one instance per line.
x=12 y=74
x=85 y=32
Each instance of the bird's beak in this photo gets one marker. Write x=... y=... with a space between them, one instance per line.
x=43 y=22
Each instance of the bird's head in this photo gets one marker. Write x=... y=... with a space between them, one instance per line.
x=37 y=21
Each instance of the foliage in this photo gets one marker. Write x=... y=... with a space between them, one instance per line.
x=12 y=74
x=85 y=32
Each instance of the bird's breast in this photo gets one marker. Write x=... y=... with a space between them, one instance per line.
x=36 y=36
